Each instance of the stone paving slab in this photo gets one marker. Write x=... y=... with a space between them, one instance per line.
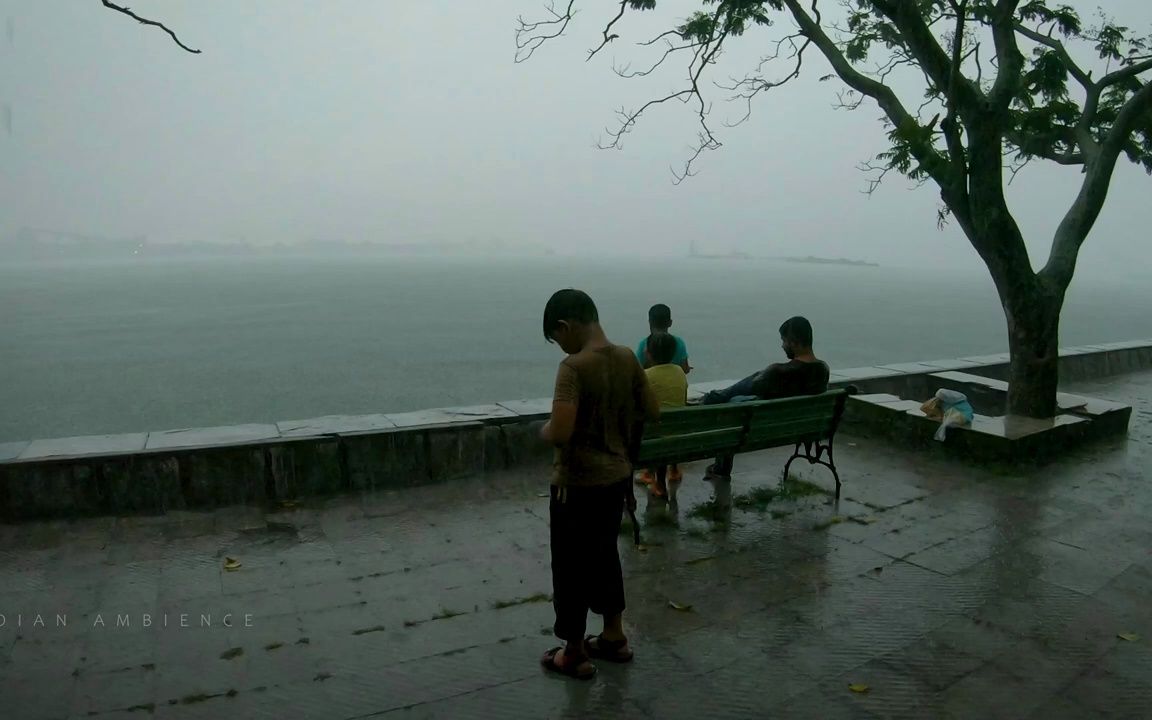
x=949 y=591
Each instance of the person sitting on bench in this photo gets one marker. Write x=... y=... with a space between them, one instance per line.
x=803 y=374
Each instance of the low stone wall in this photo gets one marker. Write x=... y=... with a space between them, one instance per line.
x=267 y=463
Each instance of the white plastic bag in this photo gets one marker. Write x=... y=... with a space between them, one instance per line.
x=955 y=410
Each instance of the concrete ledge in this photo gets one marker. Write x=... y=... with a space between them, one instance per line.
x=264 y=463
x=1007 y=438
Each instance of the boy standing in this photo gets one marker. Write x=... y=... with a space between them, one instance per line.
x=659 y=320
x=670 y=386
x=598 y=411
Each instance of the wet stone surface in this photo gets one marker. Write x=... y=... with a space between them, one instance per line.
x=935 y=589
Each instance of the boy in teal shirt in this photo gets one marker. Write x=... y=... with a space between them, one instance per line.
x=659 y=320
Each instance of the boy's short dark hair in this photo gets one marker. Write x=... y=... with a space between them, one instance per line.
x=662 y=347
x=797 y=330
x=660 y=316
x=571 y=305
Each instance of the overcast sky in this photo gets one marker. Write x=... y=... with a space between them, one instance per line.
x=399 y=121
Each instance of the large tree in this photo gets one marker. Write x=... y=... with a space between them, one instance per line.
x=1002 y=85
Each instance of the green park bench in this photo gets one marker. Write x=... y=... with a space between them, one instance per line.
x=698 y=432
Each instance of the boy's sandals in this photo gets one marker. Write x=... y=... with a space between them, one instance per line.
x=616 y=651
x=581 y=670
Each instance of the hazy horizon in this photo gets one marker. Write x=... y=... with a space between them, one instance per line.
x=410 y=123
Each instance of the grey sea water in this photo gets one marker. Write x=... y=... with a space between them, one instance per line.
x=117 y=346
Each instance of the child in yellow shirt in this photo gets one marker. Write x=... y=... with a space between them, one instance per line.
x=669 y=384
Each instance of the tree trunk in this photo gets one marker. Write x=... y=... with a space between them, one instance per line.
x=1033 y=314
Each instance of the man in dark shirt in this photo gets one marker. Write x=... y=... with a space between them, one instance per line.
x=803 y=374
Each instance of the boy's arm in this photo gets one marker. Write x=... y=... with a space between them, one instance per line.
x=565 y=401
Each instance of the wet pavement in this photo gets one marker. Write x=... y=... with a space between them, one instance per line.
x=931 y=590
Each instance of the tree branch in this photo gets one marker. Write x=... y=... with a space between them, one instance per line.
x=607 y=28
x=705 y=55
x=921 y=43
x=950 y=124
x=1075 y=70
x=625 y=71
x=145 y=21
x=752 y=85
x=928 y=157
x=531 y=35
x=1124 y=73
x=1009 y=60
x=1078 y=221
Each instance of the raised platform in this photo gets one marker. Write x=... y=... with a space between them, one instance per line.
x=994 y=435
x=156 y=472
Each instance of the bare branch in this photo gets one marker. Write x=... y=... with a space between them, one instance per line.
x=145 y=21
x=531 y=35
x=656 y=39
x=625 y=72
x=928 y=157
x=607 y=29
x=1019 y=163
x=848 y=100
x=752 y=85
x=878 y=172
x=704 y=142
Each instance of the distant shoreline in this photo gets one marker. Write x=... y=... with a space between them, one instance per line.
x=812 y=260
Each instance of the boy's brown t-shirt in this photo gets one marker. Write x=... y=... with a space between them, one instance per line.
x=608 y=387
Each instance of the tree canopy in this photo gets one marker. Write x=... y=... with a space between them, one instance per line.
x=999 y=78
x=1001 y=83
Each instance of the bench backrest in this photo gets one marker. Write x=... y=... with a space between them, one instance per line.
x=703 y=431
x=785 y=422
x=692 y=433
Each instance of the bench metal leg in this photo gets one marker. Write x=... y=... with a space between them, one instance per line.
x=814 y=458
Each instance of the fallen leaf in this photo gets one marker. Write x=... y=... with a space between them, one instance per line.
x=287 y=503
x=677 y=606
x=542 y=495
x=231 y=564
x=859 y=688
x=642 y=548
x=1130 y=637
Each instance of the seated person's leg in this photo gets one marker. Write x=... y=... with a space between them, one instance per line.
x=722 y=467
x=741 y=387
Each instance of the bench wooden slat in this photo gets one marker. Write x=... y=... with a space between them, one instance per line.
x=704 y=431
x=680 y=421
x=692 y=446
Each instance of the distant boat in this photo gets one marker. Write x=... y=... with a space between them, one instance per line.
x=812 y=260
